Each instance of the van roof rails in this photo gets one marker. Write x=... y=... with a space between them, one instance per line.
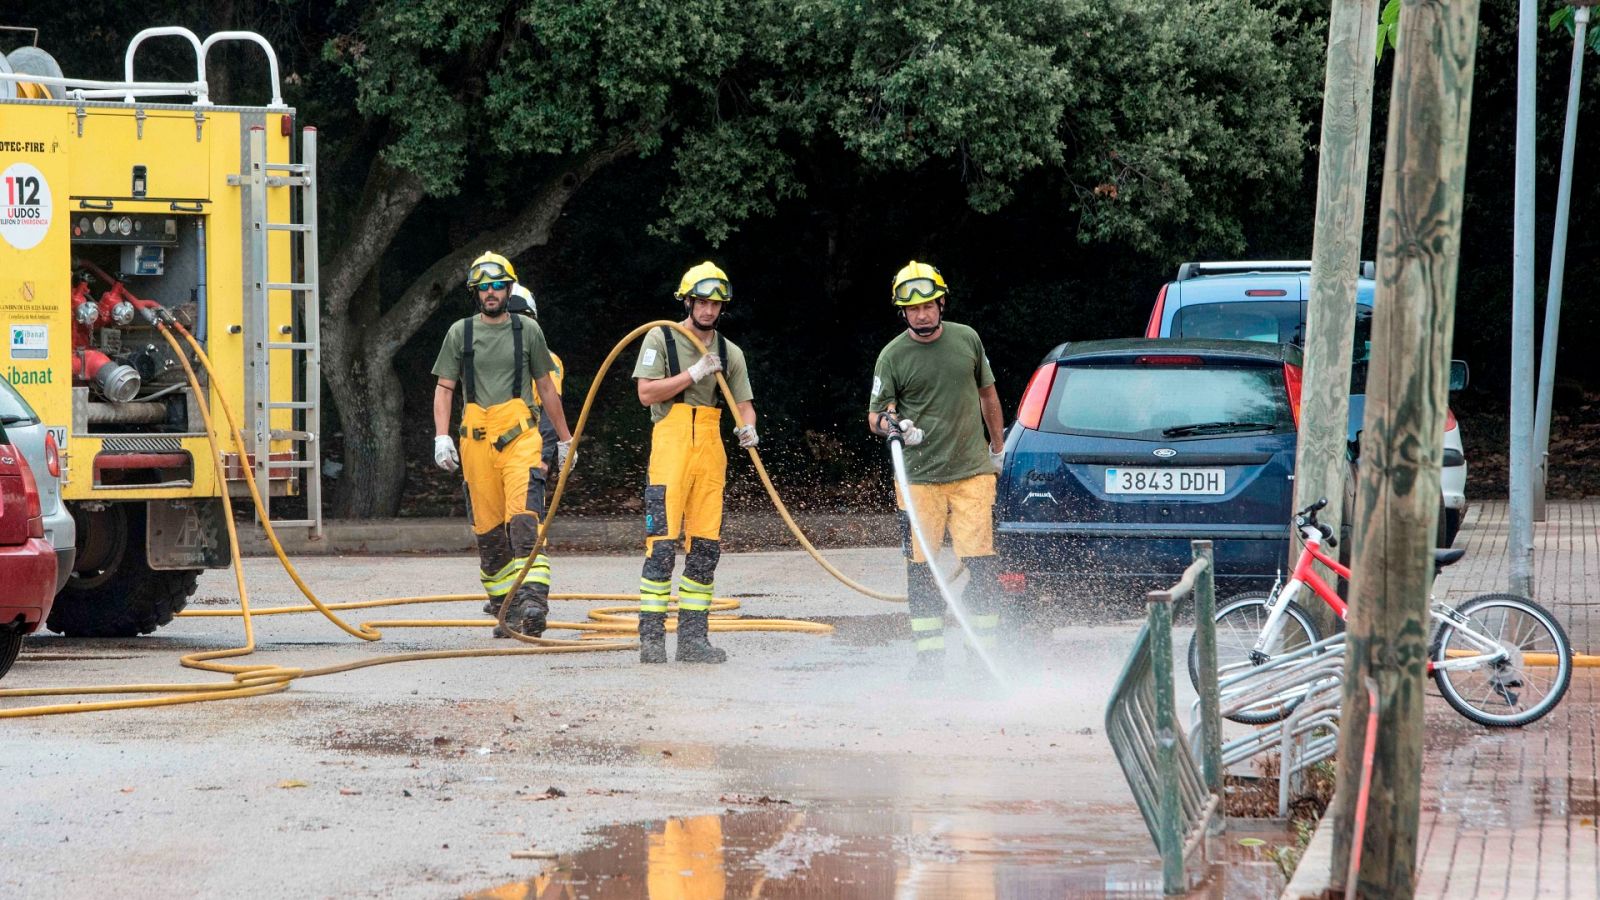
x=1189 y=270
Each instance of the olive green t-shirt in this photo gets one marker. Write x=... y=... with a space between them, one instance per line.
x=936 y=386
x=493 y=365
x=653 y=364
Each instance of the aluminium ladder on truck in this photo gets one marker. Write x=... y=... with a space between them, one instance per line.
x=297 y=345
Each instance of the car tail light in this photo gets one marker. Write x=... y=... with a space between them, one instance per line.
x=1168 y=360
x=36 y=511
x=52 y=454
x=1292 y=376
x=1031 y=410
x=30 y=489
x=1153 y=330
x=1264 y=292
x=1014 y=582
x=1449 y=419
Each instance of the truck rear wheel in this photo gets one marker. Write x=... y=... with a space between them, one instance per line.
x=113 y=592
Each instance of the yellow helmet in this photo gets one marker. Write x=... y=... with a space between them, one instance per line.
x=490 y=267
x=705 y=281
x=917 y=283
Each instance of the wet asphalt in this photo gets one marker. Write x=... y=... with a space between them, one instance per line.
x=806 y=766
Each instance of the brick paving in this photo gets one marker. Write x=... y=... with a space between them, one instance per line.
x=1513 y=812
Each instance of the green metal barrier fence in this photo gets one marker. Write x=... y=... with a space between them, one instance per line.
x=1179 y=802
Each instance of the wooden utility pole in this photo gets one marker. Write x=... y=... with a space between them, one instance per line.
x=1397 y=497
x=1320 y=466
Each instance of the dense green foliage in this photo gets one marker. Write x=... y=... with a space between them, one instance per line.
x=1055 y=158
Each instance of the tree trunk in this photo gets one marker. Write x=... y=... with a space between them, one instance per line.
x=369 y=397
x=1320 y=462
x=1419 y=243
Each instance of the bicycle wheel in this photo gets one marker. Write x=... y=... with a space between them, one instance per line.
x=1518 y=690
x=1239 y=623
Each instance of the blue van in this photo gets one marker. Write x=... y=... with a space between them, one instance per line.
x=1266 y=301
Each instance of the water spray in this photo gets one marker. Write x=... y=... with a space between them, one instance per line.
x=897 y=454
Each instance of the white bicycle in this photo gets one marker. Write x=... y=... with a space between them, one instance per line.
x=1499 y=659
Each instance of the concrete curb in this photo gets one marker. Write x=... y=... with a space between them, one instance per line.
x=384 y=537
x=1313 y=877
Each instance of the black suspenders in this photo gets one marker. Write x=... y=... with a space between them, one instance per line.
x=673 y=367
x=468 y=379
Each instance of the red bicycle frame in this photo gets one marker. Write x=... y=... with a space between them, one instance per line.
x=1306 y=573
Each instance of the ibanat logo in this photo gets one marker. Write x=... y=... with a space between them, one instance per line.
x=30 y=376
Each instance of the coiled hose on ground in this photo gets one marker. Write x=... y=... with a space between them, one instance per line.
x=249 y=680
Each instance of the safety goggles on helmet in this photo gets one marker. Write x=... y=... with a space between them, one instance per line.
x=917 y=290
x=489 y=271
x=711 y=289
x=486 y=286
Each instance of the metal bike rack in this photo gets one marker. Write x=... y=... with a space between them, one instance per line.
x=1310 y=733
x=1179 y=803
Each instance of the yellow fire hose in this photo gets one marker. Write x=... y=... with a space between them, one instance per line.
x=250 y=680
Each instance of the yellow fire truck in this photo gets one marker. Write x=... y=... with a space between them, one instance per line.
x=122 y=196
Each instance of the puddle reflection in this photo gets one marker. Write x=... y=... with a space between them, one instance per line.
x=797 y=853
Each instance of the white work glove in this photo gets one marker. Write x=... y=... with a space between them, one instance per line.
x=996 y=458
x=705 y=365
x=444 y=453
x=910 y=434
x=747 y=436
x=563 y=451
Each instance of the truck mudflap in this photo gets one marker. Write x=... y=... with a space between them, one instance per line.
x=187 y=533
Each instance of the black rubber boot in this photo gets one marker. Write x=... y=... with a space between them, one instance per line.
x=693 y=625
x=928 y=667
x=535 y=610
x=926 y=607
x=983 y=600
x=515 y=610
x=526 y=612
x=491 y=607
x=652 y=637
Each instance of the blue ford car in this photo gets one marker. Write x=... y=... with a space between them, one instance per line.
x=1125 y=450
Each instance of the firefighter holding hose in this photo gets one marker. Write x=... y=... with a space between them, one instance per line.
x=500 y=360
x=933 y=387
x=688 y=465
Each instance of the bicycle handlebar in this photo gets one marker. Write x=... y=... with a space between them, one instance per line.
x=1307 y=518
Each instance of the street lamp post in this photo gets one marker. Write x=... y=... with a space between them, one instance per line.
x=1558 y=264
x=1520 y=544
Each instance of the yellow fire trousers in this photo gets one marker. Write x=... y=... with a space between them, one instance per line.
x=965 y=509
x=683 y=496
x=685 y=861
x=500 y=460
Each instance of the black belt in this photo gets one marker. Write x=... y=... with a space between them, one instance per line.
x=501 y=442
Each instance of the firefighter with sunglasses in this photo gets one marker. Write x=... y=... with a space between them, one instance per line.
x=688 y=465
x=503 y=367
x=932 y=384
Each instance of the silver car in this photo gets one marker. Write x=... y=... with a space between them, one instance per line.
x=28 y=435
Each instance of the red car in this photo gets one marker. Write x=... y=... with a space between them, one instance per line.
x=27 y=561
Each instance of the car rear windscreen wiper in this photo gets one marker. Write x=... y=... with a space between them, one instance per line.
x=9 y=419
x=1215 y=428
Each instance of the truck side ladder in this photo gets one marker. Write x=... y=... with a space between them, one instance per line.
x=265 y=349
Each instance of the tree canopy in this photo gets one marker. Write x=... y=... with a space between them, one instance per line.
x=1054 y=157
